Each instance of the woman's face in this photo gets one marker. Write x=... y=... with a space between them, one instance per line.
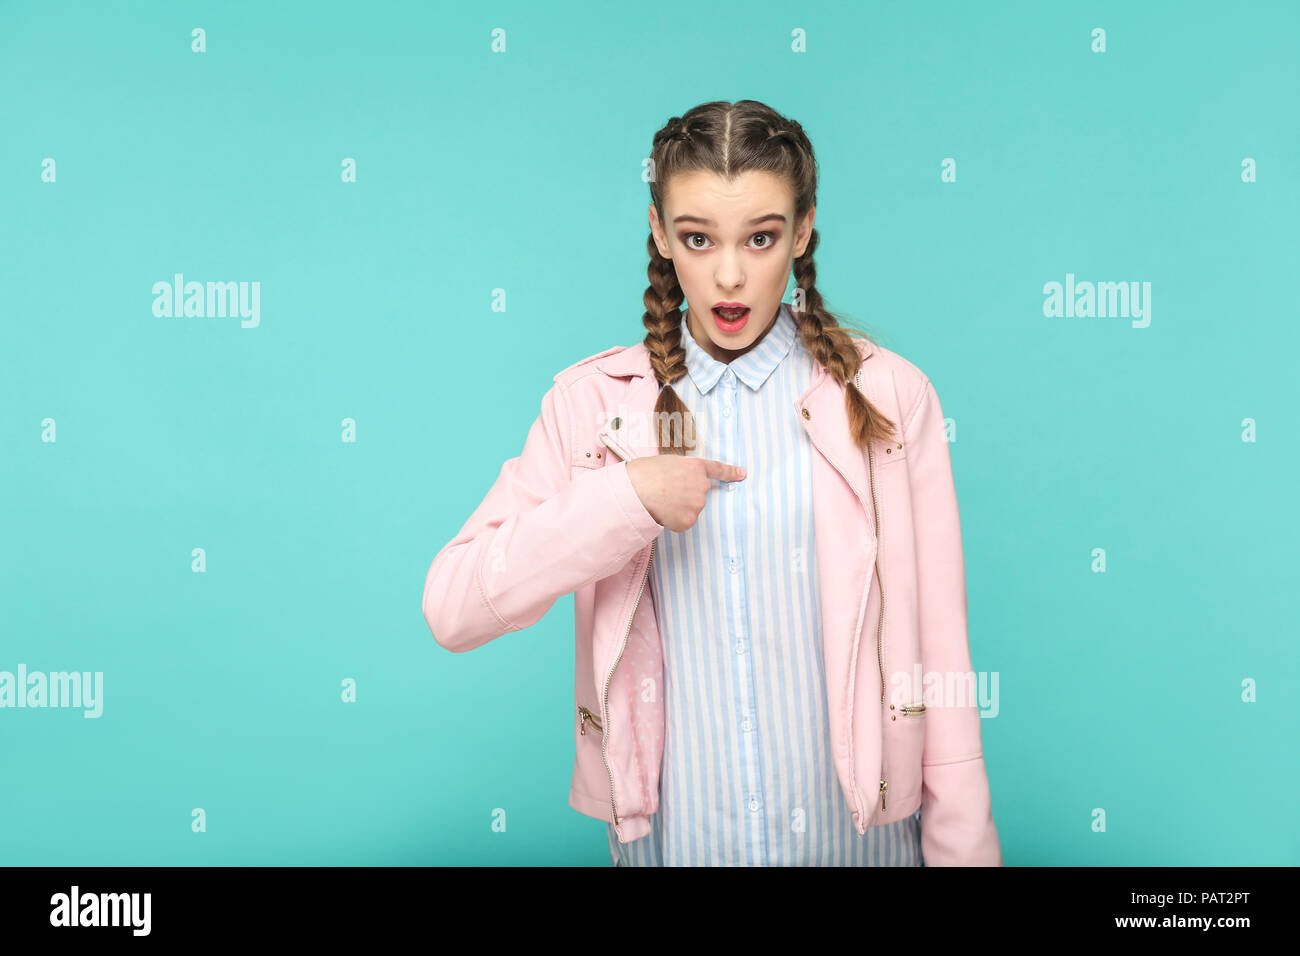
x=732 y=244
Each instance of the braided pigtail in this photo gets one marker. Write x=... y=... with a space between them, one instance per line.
x=833 y=347
x=663 y=340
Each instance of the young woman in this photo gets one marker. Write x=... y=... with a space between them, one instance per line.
x=791 y=693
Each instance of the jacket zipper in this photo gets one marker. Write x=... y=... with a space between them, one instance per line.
x=880 y=621
x=617 y=447
x=586 y=715
x=604 y=738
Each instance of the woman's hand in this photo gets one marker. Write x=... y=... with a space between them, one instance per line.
x=673 y=487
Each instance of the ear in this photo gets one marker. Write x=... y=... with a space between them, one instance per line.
x=661 y=240
x=804 y=232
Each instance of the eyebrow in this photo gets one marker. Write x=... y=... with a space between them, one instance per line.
x=709 y=222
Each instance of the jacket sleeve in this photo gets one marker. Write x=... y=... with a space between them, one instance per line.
x=539 y=533
x=957 y=826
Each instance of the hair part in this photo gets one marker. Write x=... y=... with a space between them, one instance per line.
x=730 y=139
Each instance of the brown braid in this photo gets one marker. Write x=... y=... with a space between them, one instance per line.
x=832 y=346
x=663 y=321
x=729 y=139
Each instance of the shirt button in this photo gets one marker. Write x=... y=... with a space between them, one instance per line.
x=753 y=805
x=732 y=565
x=740 y=648
x=726 y=411
x=748 y=725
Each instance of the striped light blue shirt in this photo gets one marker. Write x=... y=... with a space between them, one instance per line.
x=748 y=778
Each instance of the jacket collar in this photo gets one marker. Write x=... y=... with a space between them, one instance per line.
x=820 y=410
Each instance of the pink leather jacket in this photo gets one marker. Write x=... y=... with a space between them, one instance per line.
x=563 y=517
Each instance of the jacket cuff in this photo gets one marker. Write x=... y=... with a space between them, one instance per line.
x=639 y=520
x=957 y=815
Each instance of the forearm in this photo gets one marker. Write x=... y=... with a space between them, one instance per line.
x=506 y=568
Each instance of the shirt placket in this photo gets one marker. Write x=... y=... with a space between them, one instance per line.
x=734 y=521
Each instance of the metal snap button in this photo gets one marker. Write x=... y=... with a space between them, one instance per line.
x=807 y=414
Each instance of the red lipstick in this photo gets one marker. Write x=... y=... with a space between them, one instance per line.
x=730 y=316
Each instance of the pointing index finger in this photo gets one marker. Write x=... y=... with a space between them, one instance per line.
x=722 y=470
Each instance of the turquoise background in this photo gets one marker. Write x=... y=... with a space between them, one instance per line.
x=522 y=171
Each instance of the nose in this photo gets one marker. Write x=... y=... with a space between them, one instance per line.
x=729 y=275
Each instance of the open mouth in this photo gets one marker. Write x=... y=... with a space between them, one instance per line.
x=730 y=320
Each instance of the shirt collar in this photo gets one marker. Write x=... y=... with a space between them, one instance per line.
x=752 y=368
